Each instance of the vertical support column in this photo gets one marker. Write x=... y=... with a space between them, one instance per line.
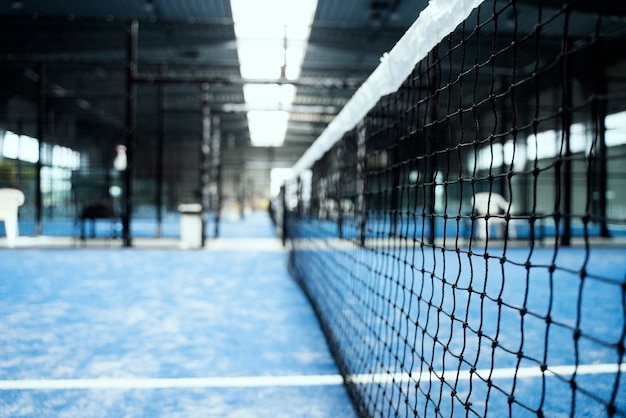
x=216 y=172
x=41 y=132
x=431 y=146
x=339 y=167
x=395 y=204
x=361 y=182
x=159 y=151
x=131 y=114
x=524 y=181
x=600 y=111
x=205 y=155
x=283 y=214
x=505 y=123
x=242 y=189
x=18 y=161
x=566 y=153
x=299 y=196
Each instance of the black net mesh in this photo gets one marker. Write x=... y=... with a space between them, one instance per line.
x=464 y=244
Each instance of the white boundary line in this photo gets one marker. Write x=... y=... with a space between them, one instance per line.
x=245 y=244
x=295 y=381
x=173 y=383
x=506 y=373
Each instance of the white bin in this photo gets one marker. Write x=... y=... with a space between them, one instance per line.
x=190 y=225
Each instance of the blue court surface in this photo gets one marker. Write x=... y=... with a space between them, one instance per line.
x=103 y=331
x=114 y=332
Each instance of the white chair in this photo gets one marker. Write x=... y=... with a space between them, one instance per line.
x=10 y=201
x=495 y=206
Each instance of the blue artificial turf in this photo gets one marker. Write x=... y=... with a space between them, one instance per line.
x=131 y=313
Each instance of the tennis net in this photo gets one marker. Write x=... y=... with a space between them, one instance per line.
x=459 y=227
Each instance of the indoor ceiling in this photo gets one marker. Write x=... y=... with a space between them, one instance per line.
x=83 y=45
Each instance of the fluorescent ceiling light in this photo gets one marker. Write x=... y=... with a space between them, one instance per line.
x=271 y=96
x=260 y=61
x=264 y=29
x=272 y=16
x=267 y=128
x=271 y=41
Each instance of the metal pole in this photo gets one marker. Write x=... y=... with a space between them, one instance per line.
x=505 y=113
x=41 y=128
x=131 y=114
x=216 y=168
x=431 y=145
x=159 y=152
x=339 y=167
x=205 y=155
x=283 y=219
x=566 y=123
x=602 y=157
x=361 y=186
x=18 y=161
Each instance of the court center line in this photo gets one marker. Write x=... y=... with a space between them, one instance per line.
x=294 y=381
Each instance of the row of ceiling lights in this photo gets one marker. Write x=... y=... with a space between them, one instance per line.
x=272 y=36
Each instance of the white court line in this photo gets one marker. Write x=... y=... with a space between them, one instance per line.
x=522 y=372
x=167 y=383
x=245 y=244
x=294 y=381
